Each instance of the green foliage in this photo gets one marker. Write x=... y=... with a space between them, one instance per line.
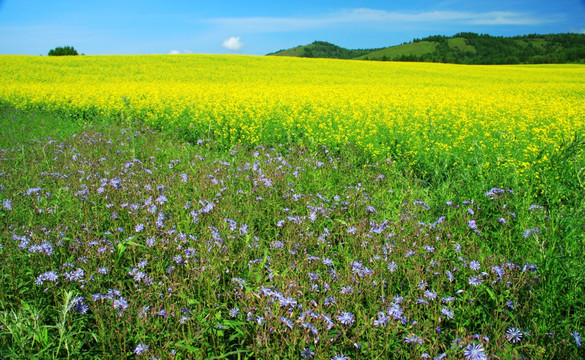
x=63 y=51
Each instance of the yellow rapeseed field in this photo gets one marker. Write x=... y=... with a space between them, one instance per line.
x=506 y=116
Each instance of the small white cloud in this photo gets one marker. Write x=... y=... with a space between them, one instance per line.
x=233 y=43
x=177 y=52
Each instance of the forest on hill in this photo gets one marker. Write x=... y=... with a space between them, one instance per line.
x=461 y=48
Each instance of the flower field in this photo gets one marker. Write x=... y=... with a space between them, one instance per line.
x=511 y=117
x=211 y=207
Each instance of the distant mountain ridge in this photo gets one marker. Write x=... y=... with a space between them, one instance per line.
x=461 y=48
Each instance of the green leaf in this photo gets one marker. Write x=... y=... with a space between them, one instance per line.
x=491 y=293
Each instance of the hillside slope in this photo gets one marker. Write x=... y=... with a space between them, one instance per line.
x=322 y=49
x=462 y=48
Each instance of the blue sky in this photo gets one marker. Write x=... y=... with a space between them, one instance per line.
x=34 y=27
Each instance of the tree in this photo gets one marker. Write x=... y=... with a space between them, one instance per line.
x=63 y=51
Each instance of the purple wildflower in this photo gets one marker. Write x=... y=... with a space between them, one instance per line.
x=346 y=290
x=474 y=265
x=329 y=301
x=447 y=312
x=494 y=192
x=76 y=275
x=120 y=303
x=150 y=241
x=307 y=353
x=529 y=232
x=498 y=270
x=340 y=357
x=413 y=339
x=382 y=319
x=422 y=203
x=430 y=294
x=79 y=305
x=141 y=349
x=474 y=351
x=475 y=280
x=514 y=335
x=327 y=262
x=287 y=322
x=370 y=209
x=577 y=338
x=346 y=318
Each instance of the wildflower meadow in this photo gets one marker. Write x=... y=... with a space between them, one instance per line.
x=241 y=207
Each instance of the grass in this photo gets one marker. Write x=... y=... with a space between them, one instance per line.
x=418 y=48
x=120 y=241
x=461 y=44
x=295 y=51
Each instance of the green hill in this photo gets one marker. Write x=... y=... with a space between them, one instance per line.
x=462 y=48
x=322 y=49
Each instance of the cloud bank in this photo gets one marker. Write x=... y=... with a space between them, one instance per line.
x=391 y=19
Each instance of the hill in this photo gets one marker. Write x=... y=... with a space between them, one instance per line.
x=462 y=48
x=322 y=49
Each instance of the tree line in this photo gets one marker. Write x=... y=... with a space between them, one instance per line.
x=525 y=49
x=63 y=51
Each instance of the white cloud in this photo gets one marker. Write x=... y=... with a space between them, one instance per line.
x=507 y=18
x=177 y=52
x=233 y=43
x=392 y=19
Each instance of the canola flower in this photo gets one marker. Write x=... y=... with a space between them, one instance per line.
x=507 y=117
